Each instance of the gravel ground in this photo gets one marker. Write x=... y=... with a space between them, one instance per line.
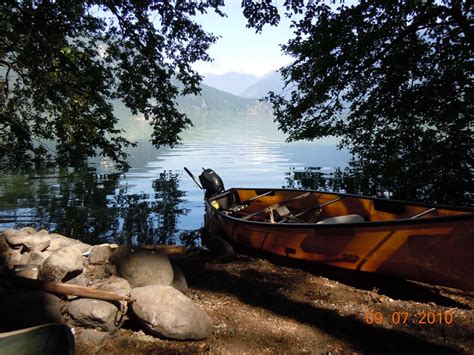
x=270 y=305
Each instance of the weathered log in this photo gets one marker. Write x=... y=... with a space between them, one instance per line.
x=168 y=249
x=69 y=290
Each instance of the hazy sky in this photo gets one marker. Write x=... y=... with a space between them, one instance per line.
x=240 y=49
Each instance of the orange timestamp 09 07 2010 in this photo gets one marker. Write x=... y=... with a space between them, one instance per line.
x=402 y=317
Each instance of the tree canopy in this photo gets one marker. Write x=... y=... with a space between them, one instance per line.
x=62 y=63
x=393 y=80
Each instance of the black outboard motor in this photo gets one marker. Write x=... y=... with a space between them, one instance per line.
x=211 y=182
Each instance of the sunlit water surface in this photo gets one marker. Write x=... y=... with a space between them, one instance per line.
x=156 y=201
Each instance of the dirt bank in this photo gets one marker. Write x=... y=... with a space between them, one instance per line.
x=277 y=306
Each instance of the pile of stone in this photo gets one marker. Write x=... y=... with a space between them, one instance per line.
x=154 y=287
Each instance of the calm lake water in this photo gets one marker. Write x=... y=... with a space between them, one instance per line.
x=156 y=201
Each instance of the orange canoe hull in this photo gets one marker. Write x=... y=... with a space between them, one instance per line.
x=437 y=249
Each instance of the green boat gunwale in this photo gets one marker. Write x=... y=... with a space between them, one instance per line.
x=401 y=221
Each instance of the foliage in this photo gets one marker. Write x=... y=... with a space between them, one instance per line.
x=393 y=80
x=63 y=62
x=349 y=180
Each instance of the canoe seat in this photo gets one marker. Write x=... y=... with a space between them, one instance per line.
x=350 y=218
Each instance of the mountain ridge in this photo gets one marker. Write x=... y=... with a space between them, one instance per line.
x=212 y=100
x=272 y=81
x=230 y=82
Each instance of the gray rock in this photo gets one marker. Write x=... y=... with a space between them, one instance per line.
x=165 y=311
x=62 y=264
x=100 y=254
x=4 y=247
x=93 y=313
x=11 y=257
x=142 y=267
x=34 y=258
x=59 y=241
x=16 y=238
x=83 y=247
x=29 y=308
x=10 y=232
x=179 y=281
x=114 y=284
x=37 y=242
x=99 y=272
x=41 y=231
x=29 y=230
x=79 y=280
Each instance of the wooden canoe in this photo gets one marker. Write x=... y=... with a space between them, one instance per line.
x=428 y=243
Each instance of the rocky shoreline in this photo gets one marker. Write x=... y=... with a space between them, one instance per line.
x=119 y=282
x=257 y=303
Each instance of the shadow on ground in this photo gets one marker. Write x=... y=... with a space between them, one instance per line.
x=390 y=286
x=265 y=289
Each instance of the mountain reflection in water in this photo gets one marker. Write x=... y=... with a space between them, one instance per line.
x=155 y=201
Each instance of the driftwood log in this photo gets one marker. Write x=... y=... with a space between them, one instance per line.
x=68 y=290
x=168 y=249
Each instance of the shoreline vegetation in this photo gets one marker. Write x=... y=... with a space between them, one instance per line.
x=237 y=302
x=390 y=82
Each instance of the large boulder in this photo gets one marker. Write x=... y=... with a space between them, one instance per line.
x=179 y=281
x=100 y=254
x=165 y=311
x=114 y=284
x=93 y=313
x=59 y=241
x=24 y=240
x=11 y=257
x=142 y=267
x=62 y=265
x=16 y=238
x=34 y=258
x=37 y=242
x=79 y=280
x=29 y=230
x=4 y=247
x=98 y=272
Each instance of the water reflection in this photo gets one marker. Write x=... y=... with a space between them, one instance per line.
x=151 y=219
x=348 y=180
x=312 y=178
x=154 y=202
x=94 y=207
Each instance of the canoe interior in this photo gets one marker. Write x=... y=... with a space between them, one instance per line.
x=372 y=210
x=428 y=243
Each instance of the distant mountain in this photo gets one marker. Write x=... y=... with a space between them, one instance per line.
x=231 y=82
x=213 y=100
x=270 y=82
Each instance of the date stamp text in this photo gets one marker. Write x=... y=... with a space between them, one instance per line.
x=400 y=317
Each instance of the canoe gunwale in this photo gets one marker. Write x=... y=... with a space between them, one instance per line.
x=365 y=224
